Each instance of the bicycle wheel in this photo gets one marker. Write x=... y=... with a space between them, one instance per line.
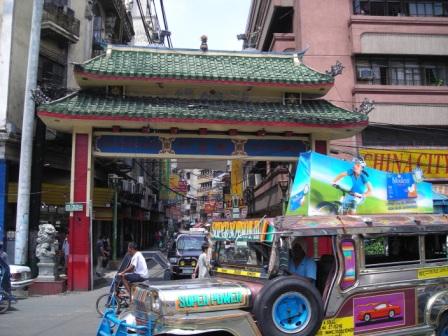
x=4 y=302
x=107 y=301
x=327 y=208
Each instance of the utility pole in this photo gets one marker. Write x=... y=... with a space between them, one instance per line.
x=26 y=148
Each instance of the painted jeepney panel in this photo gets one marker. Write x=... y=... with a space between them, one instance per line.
x=245 y=230
x=201 y=295
x=413 y=293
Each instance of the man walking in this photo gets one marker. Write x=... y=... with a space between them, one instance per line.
x=102 y=256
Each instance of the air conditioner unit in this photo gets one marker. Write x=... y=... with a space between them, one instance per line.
x=365 y=74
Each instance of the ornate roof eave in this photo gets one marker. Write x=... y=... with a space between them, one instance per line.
x=82 y=78
x=260 y=69
x=164 y=113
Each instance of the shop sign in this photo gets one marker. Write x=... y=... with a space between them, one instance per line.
x=434 y=163
x=71 y=207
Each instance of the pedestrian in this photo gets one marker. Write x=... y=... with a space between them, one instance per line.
x=5 y=270
x=102 y=255
x=66 y=251
x=202 y=270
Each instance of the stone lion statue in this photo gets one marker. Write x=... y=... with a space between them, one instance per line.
x=46 y=239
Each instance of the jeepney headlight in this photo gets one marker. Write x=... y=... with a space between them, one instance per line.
x=193 y=263
x=182 y=263
x=173 y=260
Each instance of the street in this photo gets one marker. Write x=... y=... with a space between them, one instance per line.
x=70 y=314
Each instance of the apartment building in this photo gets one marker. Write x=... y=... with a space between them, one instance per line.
x=394 y=53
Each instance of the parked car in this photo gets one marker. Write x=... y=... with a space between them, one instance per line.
x=20 y=277
x=394 y=263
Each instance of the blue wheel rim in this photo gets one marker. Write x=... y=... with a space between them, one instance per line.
x=291 y=312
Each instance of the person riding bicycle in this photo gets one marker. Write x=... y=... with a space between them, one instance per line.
x=137 y=271
x=361 y=186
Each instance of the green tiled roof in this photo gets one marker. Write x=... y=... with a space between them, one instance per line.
x=196 y=65
x=309 y=112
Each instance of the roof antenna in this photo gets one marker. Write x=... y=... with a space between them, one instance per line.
x=204 y=46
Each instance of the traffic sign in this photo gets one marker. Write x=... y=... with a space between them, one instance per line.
x=70 y=207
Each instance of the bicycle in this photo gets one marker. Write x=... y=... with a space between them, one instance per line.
x=117 y=297
x=349 y=200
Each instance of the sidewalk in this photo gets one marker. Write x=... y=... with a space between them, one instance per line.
x=72 y=313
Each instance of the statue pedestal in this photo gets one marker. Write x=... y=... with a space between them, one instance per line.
x=47 y=269
x=39 y=287
x=48 y=281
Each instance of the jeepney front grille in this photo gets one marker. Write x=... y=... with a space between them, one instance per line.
x=188 y=262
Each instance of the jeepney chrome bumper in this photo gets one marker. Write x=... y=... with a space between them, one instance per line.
x=236 y=322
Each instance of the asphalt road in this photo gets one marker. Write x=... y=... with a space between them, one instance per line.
x=55 y=315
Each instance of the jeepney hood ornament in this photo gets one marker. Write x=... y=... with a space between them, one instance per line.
x=188 y=296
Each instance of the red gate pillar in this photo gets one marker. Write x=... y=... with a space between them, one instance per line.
x=79 y=266
x=321 y=146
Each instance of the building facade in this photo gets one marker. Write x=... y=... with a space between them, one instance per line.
x=394 y=52
x=71 y=32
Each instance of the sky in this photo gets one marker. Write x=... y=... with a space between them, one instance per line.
x=220 y=20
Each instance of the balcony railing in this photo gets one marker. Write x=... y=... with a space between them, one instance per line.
x=61 y=21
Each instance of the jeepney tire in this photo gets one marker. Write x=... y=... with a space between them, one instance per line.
x=442 y=328
x=273 y=290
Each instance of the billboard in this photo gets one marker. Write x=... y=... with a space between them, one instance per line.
x=434 y=163
x=324 y=185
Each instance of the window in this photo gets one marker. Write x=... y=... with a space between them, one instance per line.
x=390 y=70
x=435 y=247
x=401 y=7
x=391 y=250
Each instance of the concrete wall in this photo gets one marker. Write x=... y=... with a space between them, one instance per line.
x=19 y=59
x=82 y=50
x=1 y=16
x=404 y=44
x=323 y=26
x=410 y=114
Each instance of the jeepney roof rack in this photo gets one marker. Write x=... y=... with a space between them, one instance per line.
x=372 y=224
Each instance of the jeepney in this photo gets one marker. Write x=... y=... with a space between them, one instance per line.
x=184 y=251
x=376 y=275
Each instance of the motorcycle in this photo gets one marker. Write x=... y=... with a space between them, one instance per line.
x=6 y=298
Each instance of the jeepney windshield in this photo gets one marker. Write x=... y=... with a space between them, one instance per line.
x=190 y=242
x=243 y=253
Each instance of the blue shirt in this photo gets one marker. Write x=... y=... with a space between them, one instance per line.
x=306 y=268
x=358 y=182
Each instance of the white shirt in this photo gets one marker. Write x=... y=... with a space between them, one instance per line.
x=139 y=263
x=203 y=266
